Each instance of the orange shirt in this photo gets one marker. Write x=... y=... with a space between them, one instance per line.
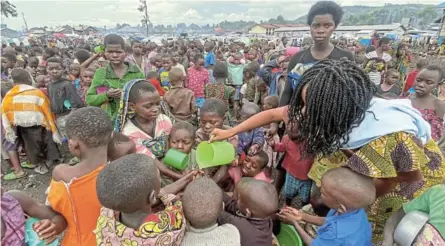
x=77 y=201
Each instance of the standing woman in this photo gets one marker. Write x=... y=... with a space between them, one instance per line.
x=376 y=62
x=341 y=122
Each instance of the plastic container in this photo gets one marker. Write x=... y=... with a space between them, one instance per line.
x=214 y=154
x=99 y=49
x=409 y=227
x=31 y=237
x=288 y=236
x=176 y=159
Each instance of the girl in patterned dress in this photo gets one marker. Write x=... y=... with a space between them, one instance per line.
x=341 y=122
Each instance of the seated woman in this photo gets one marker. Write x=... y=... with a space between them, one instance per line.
x=342 y=123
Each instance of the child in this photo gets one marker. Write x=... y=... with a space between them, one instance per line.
x=176 y=62
x=127 y=215
x=182 y=138
x=203 y=204
x=16 y=207
x=32 y=122
x=270 y=102
x=212 y=116
x=409 y=83
x=210 y=57
x=120 y=146
x=41 y=70
x=180 y=100
x=252 y=166
x=236 y=73
x=197 y=79
x=33 y=63
x=86 y=79
x=250 y=142
x=113 y=77
x=163 y=72
x=347 y=194
x=42 y=84
x=250 y=90
x=250 y=211
x=62 y=94
x=156 y=64
x=219 y=90
x=74 y=76
x=137 y=57
x=153 y=79
x=432 y=109
x=389 y=85
x=72 y=191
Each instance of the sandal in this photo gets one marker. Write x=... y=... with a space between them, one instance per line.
x=27 y=165
x=14 y=176
x=41 y=170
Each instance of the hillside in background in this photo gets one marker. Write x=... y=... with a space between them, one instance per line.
x=390 y=13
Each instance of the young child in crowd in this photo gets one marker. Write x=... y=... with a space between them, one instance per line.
x=346 y=193
x=389 y=85
x=180 y=100
x=33 y=63
x=219 y=89
x=127 y=213
x=62 y=94
x=271 y=102
x=212 y=116
x=41 y=70
x=409 y=83
x=252 y=166
x=153 y=79
x=236 y=75
x=250 y=91
x=251 y=209
x=203 y=204
x=106 y=88
x=86 y=78
x=296 y=164
x=31 y=122
x=432 y=108
x=250 y=142
x=120 y=146
x=156 y=64
x=176 y=62
x=42 y=84
x=164 y=71
x=182 y=138
x=210 y=57
x=74 y=76
x=137 y=57
x=197 y=79
x=72 y=191
x=16 y=207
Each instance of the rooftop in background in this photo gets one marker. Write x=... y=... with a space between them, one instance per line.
x=346 y=28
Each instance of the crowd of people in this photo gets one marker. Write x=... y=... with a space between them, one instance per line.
x=337 y=140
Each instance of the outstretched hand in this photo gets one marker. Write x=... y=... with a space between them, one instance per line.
x=290 y=215
x=219 y=135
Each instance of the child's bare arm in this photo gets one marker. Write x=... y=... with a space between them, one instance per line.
x=304 y=236
x=167 y=171
x=315 y=220
x=90 y=60
x=221 y=173
x=57 y=222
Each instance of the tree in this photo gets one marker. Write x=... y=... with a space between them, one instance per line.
x=8 y=9
x=145 y=18
x=193 y=26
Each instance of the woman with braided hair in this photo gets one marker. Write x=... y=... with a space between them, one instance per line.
x=340 y=121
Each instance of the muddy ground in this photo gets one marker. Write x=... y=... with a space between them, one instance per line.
x=33 y=184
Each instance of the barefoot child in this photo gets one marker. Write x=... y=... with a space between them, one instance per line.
x=16 y=207
x=72 y=191
x=32 y=122
x=180 y=101
x=250 y=211
x=203 y=204
x=212 y=117
x=127 y=213
x=432 y=109
x=347 y=194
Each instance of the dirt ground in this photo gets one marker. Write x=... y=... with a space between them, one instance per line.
x=33 y=184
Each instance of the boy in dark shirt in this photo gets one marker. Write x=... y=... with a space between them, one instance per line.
x=250 y=210
x=62 y=94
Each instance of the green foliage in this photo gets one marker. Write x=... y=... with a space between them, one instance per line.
x=8 y=9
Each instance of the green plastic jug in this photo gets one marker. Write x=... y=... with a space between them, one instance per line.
x=214 y=154
x=288 y=236
x=176 y=159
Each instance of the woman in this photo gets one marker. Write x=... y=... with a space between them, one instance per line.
x=344 y=125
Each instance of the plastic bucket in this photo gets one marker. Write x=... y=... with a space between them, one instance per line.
x=288 y=236
x=176 y=159
x=214 y=154
x=31 y=237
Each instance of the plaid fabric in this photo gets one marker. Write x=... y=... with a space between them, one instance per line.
x=294 y=187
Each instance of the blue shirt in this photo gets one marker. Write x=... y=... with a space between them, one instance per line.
x=348 y=229
x=210 y=59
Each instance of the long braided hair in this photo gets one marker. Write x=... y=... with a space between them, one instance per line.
x=337 y=96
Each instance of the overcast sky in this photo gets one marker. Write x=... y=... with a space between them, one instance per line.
x=109 y=13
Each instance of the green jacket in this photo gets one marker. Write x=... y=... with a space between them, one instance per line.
x=107 y=77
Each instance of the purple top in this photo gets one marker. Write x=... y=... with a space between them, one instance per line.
x=14 y=221
x=247 y=139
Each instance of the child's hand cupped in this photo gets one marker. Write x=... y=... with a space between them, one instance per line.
x=290 y=215
x=46 y=230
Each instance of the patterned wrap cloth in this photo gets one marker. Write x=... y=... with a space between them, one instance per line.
x=14 y=221
x=435 y=121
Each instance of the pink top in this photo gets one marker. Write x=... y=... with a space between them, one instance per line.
x=236 y=175
x=196 y=81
